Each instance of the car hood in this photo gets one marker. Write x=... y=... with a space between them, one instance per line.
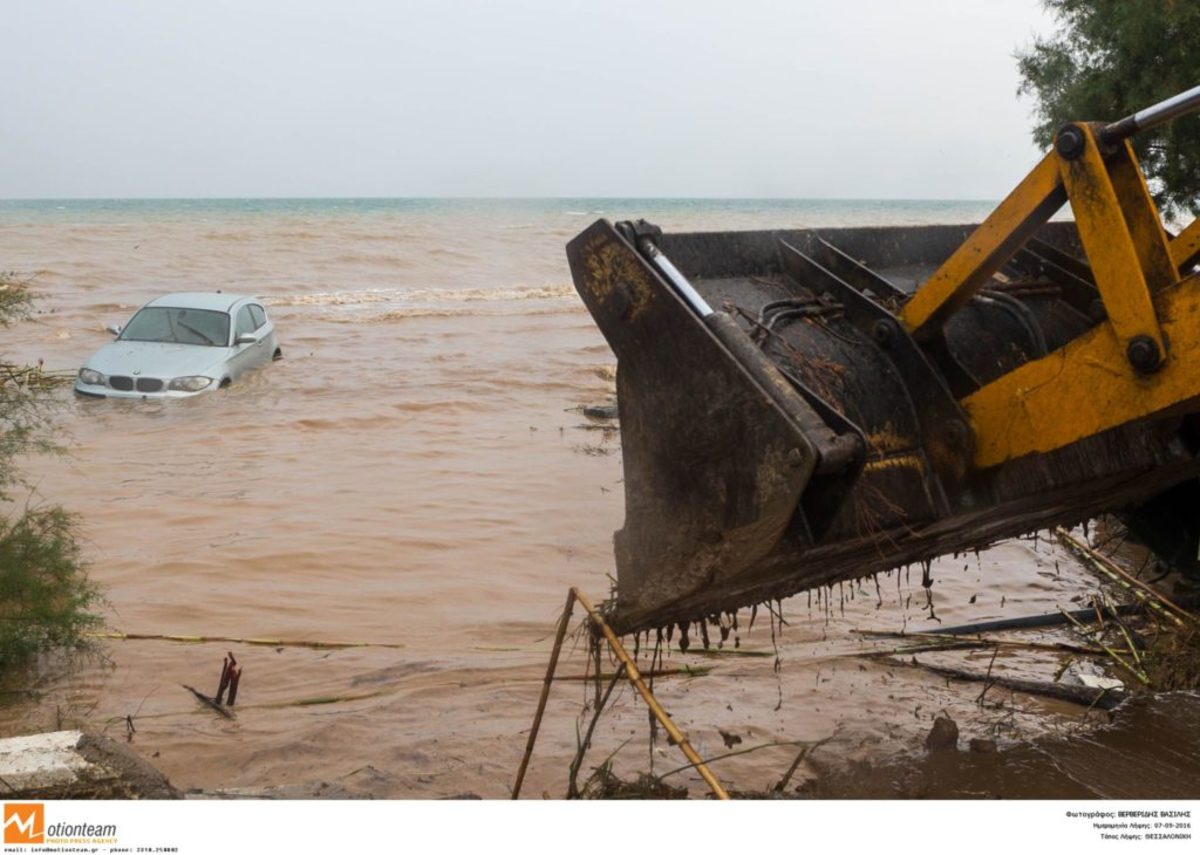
x=156 y=359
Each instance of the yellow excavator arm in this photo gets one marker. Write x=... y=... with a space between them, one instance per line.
x=800 y=407
x=1143 y=359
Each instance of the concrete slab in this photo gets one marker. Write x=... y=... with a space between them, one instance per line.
x=77 y=765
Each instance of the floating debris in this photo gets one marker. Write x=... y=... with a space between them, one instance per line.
x=231 y=675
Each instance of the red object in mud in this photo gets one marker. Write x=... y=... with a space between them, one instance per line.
x=231 y=673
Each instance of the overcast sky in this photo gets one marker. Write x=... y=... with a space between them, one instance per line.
x=850 y=99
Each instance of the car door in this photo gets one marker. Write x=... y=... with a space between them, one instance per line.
x=249 y=355
x=266 y=331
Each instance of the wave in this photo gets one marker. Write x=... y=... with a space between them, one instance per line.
x=444 y=312
x=438 y=296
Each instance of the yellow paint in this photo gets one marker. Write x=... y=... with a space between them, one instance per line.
x=1111 y=248
x=888 y=441
x=904 y=461
x=992 y=244
x=1150 y=239
x=1087 y=387
x=1185 y=247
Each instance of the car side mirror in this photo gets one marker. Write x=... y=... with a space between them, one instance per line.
x=247 y=338
x=115 y=329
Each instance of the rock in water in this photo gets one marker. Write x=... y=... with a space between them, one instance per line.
x=943 y=736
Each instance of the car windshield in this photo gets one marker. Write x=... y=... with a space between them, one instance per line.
x=179 y=326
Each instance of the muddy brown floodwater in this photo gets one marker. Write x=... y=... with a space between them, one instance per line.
x=414 y=477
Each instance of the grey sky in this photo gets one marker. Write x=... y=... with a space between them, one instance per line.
x=859 y=98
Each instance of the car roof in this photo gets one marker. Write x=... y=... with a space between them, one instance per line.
x=213 y=301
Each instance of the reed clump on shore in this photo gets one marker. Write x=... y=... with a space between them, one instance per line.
x=1172 y=660
x=1162 y=653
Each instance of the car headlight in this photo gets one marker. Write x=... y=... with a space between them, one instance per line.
x=193 y=383
x=90 y=378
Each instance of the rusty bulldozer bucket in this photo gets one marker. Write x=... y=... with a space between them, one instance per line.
x=803 y=407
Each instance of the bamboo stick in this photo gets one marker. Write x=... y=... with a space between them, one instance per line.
x=681 y=671
x=1138 y=588
x=979 y=640
x=929 y=647
x=263 y=642
x=1112 y=654
x=559 y=634
x=660 y=714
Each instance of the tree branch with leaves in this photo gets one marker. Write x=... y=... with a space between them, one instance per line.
x=1109 y=58
x=46 y=598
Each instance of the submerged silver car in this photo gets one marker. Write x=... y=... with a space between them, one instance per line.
x=181 y=345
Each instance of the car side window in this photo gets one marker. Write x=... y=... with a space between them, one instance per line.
x=245 y=321
x=260 y=317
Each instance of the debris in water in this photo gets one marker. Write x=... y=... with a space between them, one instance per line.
x=730 y=739
x=603 y=784
x=601 y=411
x=943 y=736
x=209 y=702
x=231 y=673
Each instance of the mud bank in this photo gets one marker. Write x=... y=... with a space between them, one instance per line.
x=1114 y=761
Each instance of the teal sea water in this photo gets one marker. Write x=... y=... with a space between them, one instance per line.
x=371 y=258
x=900 y=210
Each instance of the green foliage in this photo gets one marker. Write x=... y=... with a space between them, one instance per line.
x=1110 y=58
x=45 y=595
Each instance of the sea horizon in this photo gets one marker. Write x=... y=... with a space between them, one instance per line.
x=746 y=210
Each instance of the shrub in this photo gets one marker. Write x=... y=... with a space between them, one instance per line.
x=46 y=598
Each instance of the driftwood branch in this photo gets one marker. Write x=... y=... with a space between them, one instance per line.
x=560 y=633
x=804 y=752
x=1105 y=699
x=209 y=702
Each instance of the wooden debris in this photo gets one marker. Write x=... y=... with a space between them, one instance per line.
x=634 y=676
x=225 y=639
x=33 y=376
x=231 y=673
x=656 y=708
x=805 y=750
x=941 y=641
x=564 y=621
x=1112 y=654
x=1104 y=699
x=1104 y=565
x=1026 y=622
x=209 y=702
